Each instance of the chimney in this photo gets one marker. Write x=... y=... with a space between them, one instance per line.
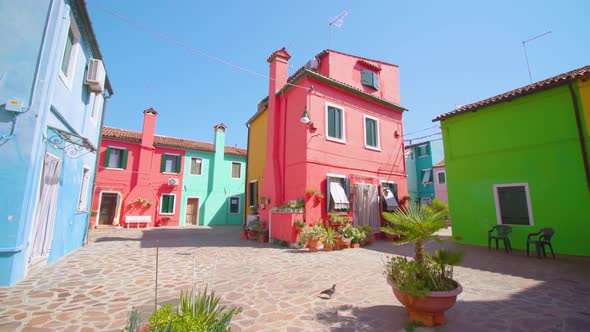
x=219 y=175
x=278 y=71
x=149 y=127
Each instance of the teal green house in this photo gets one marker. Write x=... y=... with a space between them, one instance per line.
x=522 y=159
x=213 y=183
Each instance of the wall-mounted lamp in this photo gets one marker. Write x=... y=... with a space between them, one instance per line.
x=396 y=134
x=306 y=120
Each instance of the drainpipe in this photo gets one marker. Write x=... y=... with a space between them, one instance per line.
x=247 y=183
x=580 y=134
x=96 y=164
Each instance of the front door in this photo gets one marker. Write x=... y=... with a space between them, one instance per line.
x=108 y=206
x=366 y=206
x=192 y=211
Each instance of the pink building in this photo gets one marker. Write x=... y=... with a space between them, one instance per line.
x=137 y=177
x=335 y=127
x=440 y=181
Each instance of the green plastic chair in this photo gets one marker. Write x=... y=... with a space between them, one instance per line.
x=502 y=232
x=543 y=238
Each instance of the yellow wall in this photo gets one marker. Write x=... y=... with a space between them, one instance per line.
x=585 y=96
x=256 y=153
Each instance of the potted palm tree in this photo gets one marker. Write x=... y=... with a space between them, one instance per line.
x=425 y=284
x=330 y=239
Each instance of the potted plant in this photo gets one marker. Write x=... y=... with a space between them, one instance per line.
x=252 y=227
x=424 y=284
x=330 y=239
x=368 y=232
x=298 y=225
x=347 y=233
x=357 y=237
x=391 y=233
x=312 y=235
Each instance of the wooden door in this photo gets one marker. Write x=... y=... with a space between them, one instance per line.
x=192 y=211
x=108 y=206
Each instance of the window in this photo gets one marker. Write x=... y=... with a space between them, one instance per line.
x=170 y=163
x=196 y=166
x=253 y=193
x=425 y=200
x=426 y=176
x=234 y=205
x=236 y=170
x=423 y=150
x=371 y=133
x=68 y=62
x=84 y=190
x=370 y=79
x=335 y=123
x=116 y=158
x=97 y=106
x=442 y=178
x=513 y=204
x=167 y=204
x=389 y=199
x=338 y=189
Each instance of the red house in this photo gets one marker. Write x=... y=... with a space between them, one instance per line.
x=139 y=181
x=333 y=127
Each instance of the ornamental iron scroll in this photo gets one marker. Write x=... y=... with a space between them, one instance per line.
x=73 y=146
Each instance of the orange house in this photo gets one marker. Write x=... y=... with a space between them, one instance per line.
x=334 y=141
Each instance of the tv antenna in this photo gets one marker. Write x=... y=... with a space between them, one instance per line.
x=525 y=54
x=336 y=21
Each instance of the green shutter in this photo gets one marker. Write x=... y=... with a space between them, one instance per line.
x=375 y=81
x=428 y=149
x=124 y=159
x=107 y=157
x=366 y=77
x=163 y=164
x=370 y=132
x=331 y=129
x=513 y=205
x=328 y=194
x=347 y=191
x=338 y=123
x=171 y=203
x=394 y=186
x=164 y=204
x=178 y=164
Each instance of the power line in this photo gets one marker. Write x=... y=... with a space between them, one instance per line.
x=425 y=129
x=417 y=138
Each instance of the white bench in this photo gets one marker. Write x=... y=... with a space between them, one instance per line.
x=138 y=220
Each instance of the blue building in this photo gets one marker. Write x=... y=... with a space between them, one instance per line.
x=420 y=159
x=53 y=87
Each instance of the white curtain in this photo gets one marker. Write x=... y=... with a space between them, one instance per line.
x=366 y=206
x=339 y=196
x=46 y=208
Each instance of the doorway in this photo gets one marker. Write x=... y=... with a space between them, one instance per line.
x=108 y=208
x=192 y=211
x=366 y=206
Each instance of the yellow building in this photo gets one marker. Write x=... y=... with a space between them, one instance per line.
x=257 y=125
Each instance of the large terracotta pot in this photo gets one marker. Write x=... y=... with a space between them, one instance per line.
x=429 y=310
x=313 y=244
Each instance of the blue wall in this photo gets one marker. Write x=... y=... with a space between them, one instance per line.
x=30 y=67
x=416 y=164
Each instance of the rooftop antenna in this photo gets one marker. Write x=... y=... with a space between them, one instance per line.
x=336 y=21
x=525 y=54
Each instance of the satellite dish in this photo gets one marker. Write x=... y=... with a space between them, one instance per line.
x=313 y=64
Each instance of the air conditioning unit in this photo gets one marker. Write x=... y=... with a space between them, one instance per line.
x=313 y=64
x=95 y=76
x=173 y=182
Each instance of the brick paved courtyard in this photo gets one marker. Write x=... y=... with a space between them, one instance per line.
x=94 y=288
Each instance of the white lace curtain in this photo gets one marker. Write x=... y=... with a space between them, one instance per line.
x=366 y=206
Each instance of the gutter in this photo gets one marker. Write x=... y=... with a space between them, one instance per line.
x=583 y=148
x=246 y=182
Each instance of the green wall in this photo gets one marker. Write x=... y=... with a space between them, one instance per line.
x=531 y=139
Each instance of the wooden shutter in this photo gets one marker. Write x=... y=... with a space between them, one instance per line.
x=178 y=159
x=394 y=189
x=163 y=164
x=375 y=81
x=338 y=123
x=366 y=77
x=328 y=194
x=513 y=205
x=164 y=203
x=331 y=121
x=124 y=159
x=107 y=157
x=370 y=132
x=347 y=191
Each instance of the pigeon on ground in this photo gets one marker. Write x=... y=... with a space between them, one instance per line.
x=329 y=292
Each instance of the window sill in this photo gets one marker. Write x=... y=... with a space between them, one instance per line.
x=335 y=140
x=170 y=173
x=195 y=174
x=115 y=168
x=66 y=80
x=166 y=214
x=374 y=148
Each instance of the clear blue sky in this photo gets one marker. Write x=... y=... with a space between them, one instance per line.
x=448 y=52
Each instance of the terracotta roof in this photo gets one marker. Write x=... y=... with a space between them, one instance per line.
x=280 y=53
x=173 y=142
x=439 y=164
x=580 y=73
x=371 y=65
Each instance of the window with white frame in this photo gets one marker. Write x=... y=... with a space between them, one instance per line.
x=196 y=166
x=234 y=204
x=170 y=163
x=338 y=194
x=253 y=193
x=116 y=158
x=442 y=177
x=423 y=150
x=513 y=204
x=70 y=54
x=335 y=123
x=371 y=132
x=83 y=197
x=236 y=170
x=426 y=176
x=167 y=203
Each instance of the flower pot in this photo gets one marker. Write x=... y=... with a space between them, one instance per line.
x=261 y=237
x=252 y=234
x=429 y=310
x=343 y=243
x=328 y=247
x=391 y=237
x=313 y=244
x=355 y=245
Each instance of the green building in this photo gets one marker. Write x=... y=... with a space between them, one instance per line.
x=213 y=184
x=522 y=159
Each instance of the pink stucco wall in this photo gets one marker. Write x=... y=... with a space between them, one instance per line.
x=440 y=190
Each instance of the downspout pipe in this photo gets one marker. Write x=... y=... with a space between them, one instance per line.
x=247 y=183
x=583 y=149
